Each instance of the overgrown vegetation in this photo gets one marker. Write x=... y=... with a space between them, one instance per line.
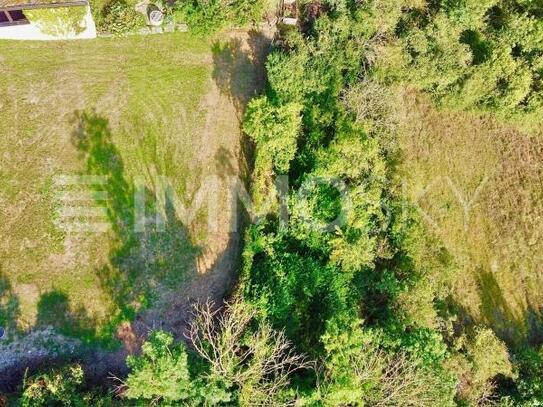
x=337 y=291
x=60 y=387
x=58 y=21
x=120 y=17
x=348 y=302
x=209 y=16
x=203 y=17
x=359 y=286
x=235 y=360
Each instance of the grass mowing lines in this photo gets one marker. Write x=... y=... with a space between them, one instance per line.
x=117 y=108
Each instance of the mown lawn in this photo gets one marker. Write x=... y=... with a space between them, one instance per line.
x=124 y=110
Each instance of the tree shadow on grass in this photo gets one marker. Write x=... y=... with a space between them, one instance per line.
x=224 y=166
x=239 y=72
x=143 y=260
x=54 y=309
x=239 y=67
x=515 y=327
x=9 y=308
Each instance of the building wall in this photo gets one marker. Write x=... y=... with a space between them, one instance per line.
x=32 y=32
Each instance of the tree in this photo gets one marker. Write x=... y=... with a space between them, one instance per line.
x=483 y=357
x=274 y=129
x=256 y=361
x=237 y=360
x=529 y=384
x=357 y=371
x=161 y=372
x=475 y=55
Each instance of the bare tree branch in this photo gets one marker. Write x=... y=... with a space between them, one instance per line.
x=258 y=362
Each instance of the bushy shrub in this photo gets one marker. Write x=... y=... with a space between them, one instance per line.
x=60 y=387
x=119 y=17
x=161 y=372
x=201 y=16
x=208 y=16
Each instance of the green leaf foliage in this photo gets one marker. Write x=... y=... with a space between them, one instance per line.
x=476 y=55
x=60 y=387
x=120 y=17
x=209 y=16
x=58 y=21
x=160 y=372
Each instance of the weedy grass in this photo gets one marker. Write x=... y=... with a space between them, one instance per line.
x=478 y=184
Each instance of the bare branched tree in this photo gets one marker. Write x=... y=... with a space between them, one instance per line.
x=258 y=360
x=390 y=380
x=404 y=383
x=374 y=102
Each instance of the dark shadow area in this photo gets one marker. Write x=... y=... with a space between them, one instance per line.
x=516 y=328
x=234 y=183
x=513 y=327
x=480 y=49
x=9 y=309
x=224 y=163
x=239 y=67
x=496 y=17
x=494 y=308
x=141 y=262
x=54 y=309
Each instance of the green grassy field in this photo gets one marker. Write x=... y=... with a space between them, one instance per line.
x=478 y=184
x=121 y=109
